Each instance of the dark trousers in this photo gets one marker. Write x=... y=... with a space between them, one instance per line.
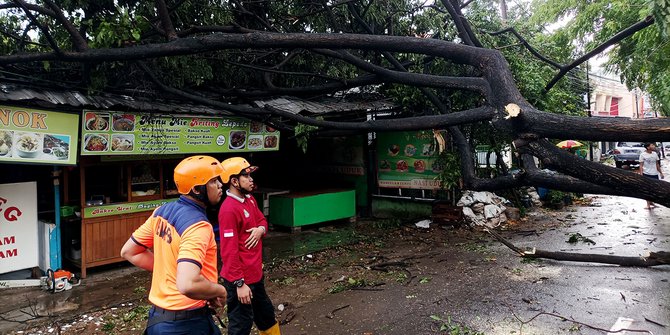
x=181 y=322
x=241 y=316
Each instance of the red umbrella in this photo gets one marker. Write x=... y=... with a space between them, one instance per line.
x=567 y=144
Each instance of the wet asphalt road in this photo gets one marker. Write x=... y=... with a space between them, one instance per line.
x=493 y=297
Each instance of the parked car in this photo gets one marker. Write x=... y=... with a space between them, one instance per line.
x=627 y=153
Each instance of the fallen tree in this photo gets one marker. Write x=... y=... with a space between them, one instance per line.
x=79 y=41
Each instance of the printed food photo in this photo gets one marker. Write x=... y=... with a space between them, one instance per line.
x=394 y=150
x=122 y=142
x=123 y=122
x=6 y=142
x=56 y=146
x=410 y=150
x=255 y=142
x=271 y=141
x=97 y=122
x=256 y=127
x=419 y=166
x=238 y=139
x=28 y=145
x=401 y=166
x=95 y=142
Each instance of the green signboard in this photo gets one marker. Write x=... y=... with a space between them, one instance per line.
x=37 y=136
x=117 y=133
x=407 y=160
x=124 y=208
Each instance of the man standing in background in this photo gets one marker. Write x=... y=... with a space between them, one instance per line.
x=242 y=227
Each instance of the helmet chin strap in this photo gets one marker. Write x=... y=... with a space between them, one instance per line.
x=201 y=195
x=239 y=188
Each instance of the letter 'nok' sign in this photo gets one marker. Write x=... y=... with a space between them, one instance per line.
x=37 y=136
x=118 y=133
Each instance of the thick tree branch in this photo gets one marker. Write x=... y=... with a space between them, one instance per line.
x=648 y=21
x=557 y=181
x=460 y=28
x=415 y=79
x=166 y=21
x=42 y=28
x=410 y=123
x=589 y=128
x=78 y=40
x=610 y=177
x=34 y=8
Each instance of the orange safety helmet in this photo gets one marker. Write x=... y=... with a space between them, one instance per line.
x=195 y=170
x=234 y=166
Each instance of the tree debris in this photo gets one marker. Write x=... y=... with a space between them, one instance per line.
x=654 y=258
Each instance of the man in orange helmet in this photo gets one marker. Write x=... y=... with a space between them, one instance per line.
x=241 y=229
x=184 y=281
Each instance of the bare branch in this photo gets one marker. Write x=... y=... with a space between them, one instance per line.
x=527 y=45
x=78 y=41
x=42 y=28
x=648 y=21
x=32 y=7
x=21 y=39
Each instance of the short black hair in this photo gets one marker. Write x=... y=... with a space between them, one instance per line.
x=647 y=144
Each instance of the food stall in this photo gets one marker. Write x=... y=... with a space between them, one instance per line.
x=34 y=143
x=126 y=168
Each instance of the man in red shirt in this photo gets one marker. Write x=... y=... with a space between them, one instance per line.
x=177 y=245
x=241 y=229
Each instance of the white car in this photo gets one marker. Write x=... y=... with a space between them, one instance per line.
x=627 y=153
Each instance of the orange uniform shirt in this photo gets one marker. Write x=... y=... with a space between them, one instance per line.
x=178 y=232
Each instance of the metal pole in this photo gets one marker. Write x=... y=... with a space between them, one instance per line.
x=588 y=102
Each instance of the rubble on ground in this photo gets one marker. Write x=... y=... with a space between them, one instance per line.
x=483 y=208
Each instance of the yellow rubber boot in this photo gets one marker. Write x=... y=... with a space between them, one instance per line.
x=274 y=330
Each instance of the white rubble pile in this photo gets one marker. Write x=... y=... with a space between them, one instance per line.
x=483 y=208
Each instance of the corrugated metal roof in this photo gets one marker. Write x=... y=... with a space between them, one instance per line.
x=295 y=105
x=13 y=93
x=107 y=101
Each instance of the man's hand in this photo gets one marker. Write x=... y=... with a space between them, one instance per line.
x=218 y=302
x=256 y=234
x=244 y=294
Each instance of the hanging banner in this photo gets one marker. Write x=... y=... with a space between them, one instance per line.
x=18 y=226
x=37 y=136
x=407 y=160
x=124 y=208
x=116 y=133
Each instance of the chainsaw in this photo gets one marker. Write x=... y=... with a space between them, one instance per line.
x=59 y=280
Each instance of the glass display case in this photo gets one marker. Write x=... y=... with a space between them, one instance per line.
x=145 y=181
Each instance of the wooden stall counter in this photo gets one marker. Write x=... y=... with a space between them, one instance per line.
x=296 y=209
x=103 y=237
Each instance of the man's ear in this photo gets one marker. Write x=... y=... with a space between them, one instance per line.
x=195 y=190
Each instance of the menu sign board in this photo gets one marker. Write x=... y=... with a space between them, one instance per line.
x=37 y=136
x=407 y=160
x=118 y=133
